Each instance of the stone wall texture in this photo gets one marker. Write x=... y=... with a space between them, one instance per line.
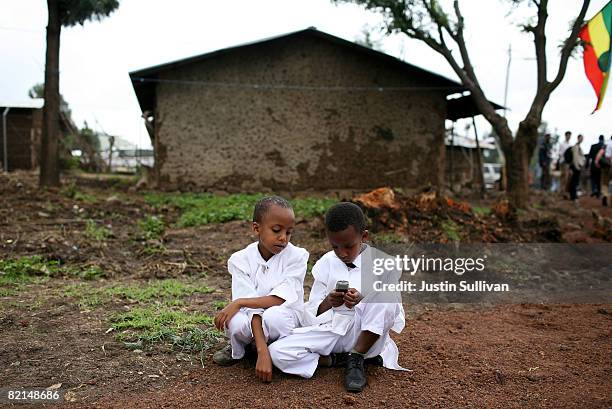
x=270 y=117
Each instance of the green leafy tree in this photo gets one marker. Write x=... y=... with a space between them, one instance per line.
x=38 y=91
x=65 y=13
x=443 y=31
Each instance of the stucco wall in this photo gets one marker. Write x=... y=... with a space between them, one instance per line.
x=227 y=134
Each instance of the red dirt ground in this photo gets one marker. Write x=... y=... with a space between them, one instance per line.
x=509 y=356
x=462 y=355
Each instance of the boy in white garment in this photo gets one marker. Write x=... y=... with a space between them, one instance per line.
x=267 y=287
x=341 y=322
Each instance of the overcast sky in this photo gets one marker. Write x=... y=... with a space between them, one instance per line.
x=95 y=59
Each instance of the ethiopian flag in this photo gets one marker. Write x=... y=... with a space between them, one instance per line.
x=597 y=35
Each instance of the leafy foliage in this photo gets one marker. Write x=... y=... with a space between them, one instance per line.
x=73 y=12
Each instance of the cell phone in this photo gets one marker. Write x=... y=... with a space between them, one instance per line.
x=342 y=286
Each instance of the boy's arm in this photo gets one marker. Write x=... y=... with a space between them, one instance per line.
x=243 y=293
x=333 y=299
x=264 y=302
x=263 y=367
x=225 y=315
x=321 y=299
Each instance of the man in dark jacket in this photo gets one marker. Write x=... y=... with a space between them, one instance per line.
x=595 y=171
x=545 y=159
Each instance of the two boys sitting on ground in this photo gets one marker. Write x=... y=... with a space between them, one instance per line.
x=336 y=327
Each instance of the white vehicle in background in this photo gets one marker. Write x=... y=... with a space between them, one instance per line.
x=492 y=174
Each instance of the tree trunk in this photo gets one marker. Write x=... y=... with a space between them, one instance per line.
x=517 y=162
x=49 y=156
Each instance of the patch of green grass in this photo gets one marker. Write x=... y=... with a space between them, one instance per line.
x=481 y=211
x=87 y=273
x=69 y=190
x=174 y=302
x=95 y=232
x=219 y=304
x=205 y=208
x=164 y=292
x=451 y=230
x=151 y=227
x=309 y=207
x=151 y=250
x=157 y=324
x=85 y=197
x=387 y=238
x=16 y=272
x=197 y=339
x=157 y=289
x=9 y=292
x=86 y=296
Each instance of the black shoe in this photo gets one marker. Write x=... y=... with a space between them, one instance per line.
x=339 y=360
x=354 y=378
x=374 y=361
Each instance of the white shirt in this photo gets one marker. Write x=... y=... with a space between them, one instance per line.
x=327 y=271
x=562 y=148
x=282 y=275
x=608 y=152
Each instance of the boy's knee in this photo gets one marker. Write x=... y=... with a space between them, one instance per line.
x=379 y=315
x=278 y=321
x=238 y=323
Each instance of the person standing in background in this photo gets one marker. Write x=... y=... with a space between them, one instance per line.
x=603 y=161
x=595 y=171
x=545 y=159
x=563 y=165
x=576 y=167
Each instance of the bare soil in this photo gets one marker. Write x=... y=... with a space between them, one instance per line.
x=461 y=355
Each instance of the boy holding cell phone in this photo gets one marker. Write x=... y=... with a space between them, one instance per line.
x=340 y=329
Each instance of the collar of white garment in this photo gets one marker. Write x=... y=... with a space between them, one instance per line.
x=357 y=260
x=259 y=259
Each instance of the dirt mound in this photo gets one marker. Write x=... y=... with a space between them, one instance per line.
x=431 y=218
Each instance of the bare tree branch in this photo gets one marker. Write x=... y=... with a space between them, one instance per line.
x=569 y=45
x=539 y=35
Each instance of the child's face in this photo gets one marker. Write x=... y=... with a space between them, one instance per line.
x=274 y=231
x=347 y=243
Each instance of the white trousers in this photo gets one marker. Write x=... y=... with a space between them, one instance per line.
x=277 y=322
x=299 y=353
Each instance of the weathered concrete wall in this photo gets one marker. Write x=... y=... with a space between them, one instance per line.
x=20 y=149
x=228 y=134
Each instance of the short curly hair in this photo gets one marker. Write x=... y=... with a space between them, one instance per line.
x=263 y=206
x=345 y=214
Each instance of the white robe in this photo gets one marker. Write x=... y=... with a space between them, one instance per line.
x=337 y=329
x=252 y=276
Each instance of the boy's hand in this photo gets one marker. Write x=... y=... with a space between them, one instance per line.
x=352 y=297
x=223 y=318
x=263 y=368
x=335 y=298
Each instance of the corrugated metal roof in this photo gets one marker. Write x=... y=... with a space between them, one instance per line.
x=34 y=103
